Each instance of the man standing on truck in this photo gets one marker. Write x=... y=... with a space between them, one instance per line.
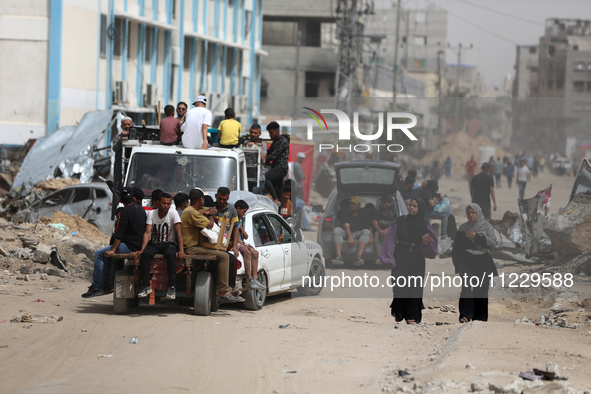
x=163 y=230
x=127 y=239
x=196 y=125
x=192 y=222
x=277 y=158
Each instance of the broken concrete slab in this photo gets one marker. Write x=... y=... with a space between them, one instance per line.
x=42 y=253
x=570 y=230
x=79 y=245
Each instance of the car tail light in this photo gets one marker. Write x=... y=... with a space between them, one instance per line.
x=327 y=224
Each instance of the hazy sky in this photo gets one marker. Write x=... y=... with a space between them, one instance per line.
x=494 y=35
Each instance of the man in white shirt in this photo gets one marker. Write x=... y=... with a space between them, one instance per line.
x=163 y=231
x=197 y=121
x=523 y=176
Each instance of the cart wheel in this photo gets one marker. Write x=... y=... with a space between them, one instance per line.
x=255 y=299
x=121 y=306
x=203 y=292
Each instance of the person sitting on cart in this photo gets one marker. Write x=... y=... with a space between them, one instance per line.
x=127 y=239
x=192 y=222
x=163 y=231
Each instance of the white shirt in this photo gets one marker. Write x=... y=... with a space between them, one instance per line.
x=522 y=174
x=163 y=228
x=194 y=121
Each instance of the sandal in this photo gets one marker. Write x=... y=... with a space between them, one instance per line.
x=410 y=321
x=228 y=299
x=464 y=320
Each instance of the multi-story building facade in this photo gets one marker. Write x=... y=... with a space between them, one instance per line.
x=301 y=40
x=422 y=42
x=559 y=107
x=74 y=56
x=525 y=83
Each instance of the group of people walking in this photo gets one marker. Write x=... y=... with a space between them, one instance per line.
x=410 y=240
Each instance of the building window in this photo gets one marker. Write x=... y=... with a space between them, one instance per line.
x=118 y=36
x=148 y=50
x=533 y=50
x=174 y=8
x=103 y=43
x=264 y=88
x=589 y=86
x=187 y=54
x=420 y=41
x=559 y=85
x=579 y=86
x=280 y=33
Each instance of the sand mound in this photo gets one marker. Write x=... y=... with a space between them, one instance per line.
x=460 y=147
x=85 y=230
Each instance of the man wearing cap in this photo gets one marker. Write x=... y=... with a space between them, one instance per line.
x=127 y=239
x=482 y=189
x=355 y=226
x=192 y=222
x=196 y=125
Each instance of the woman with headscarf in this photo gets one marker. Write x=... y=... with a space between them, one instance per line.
x=409 y=240
x=474 y=263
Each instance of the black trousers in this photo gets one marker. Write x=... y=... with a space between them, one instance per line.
x=169 y=250
x=473 y=303
x=274 y=182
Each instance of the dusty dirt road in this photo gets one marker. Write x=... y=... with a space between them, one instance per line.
x=342 y=341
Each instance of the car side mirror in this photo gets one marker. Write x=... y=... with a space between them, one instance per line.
x=299 y=235
x=317 y=208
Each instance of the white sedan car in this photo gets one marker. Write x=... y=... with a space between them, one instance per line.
x=285 y=257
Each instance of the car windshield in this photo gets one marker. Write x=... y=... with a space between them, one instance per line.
x=180 y=173
x=373 y=175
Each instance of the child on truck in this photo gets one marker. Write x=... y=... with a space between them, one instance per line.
x=229 y=130
x=249 y=254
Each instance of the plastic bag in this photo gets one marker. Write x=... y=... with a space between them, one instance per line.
x=213 y=234
x=443 y=206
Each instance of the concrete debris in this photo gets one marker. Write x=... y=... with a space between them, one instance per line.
x=448 y=308
x=552 y=367
x=570 y=230
x=42 y=253
x=28 y=318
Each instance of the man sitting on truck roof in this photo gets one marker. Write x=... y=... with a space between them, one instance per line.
x=163 y=230
x=196 y=125
x=127 y=239
x=192 y=222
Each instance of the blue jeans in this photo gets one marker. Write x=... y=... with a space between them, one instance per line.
x=102 y=266
x=442 y=216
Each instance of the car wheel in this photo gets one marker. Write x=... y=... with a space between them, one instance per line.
x=202 y=297
x=121 y=306
x=316 y=274
x=255 y=299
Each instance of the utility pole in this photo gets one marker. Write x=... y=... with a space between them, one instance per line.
x=439 y=87
x=398 y=13
x=297 y=73
x=349 y=33
x=458 y=51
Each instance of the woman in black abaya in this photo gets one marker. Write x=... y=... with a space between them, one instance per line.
x=474 y=263
x=409 y=240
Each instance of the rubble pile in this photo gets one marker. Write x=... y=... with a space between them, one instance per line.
x=460 y=146
x=570 y=231
x=63 y=245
